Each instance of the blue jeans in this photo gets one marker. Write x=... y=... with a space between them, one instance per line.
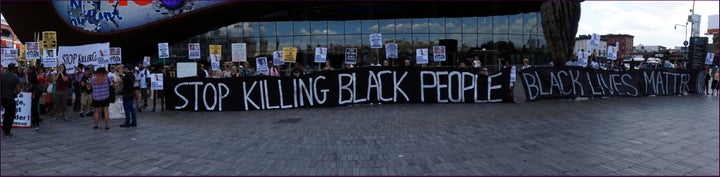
x=129 y=111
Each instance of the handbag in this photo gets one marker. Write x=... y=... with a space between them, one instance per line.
x=111 y=89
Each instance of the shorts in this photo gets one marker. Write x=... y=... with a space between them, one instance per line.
x=102 y=103
x=86 y=100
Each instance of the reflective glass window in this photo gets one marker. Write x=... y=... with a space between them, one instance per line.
x=436 y=25
x=387 y=26
x=285 y=41
x=420 y=40
x=485 y=25
x=500 y=24
x=469 y=25
x=266 y=45
x=500 y=37
x=272 y=43
x=517 y=41
x=235 y=30
x=370 y=26
x=251 y=29
x=353 y=27
x=336 y=27
x=319 y=27
x=403 y=25
x=515 y=23
x=531 y=23
x=352 y=41
x=388 y=38
x=539 y=19
x=404 y=42
x=301 y=28
x=435 y=39
x=320 y=40
x=469 y=41
x=484 y=39
x=268 y=29
x=453 y=25
x=302 y=42
x=284 y=28
x=336 y=41
x=419 y=25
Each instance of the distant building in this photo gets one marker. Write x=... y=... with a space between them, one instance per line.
x=9 y=39
x=649 y=48
x=582 y=43
x=712 y=27
x=624 y=43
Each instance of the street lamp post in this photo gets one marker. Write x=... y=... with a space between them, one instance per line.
x=685 y=43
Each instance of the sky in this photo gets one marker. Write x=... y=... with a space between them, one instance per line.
x=651 y=22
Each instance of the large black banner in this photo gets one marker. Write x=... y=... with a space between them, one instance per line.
x=337 y=88
x=548 y=82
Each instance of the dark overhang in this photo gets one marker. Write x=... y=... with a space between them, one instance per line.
x=28 y=17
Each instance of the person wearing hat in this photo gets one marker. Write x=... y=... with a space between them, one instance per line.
x=101 y=96
x=10 y=88
x=128 y=95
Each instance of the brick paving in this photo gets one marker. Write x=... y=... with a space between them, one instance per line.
x=664 y=135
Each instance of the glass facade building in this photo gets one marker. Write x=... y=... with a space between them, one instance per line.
x=511 y=37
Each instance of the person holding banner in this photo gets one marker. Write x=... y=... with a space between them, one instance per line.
x=328 y=66
x=62 y=82
x=246 y=70
x=272 y=69
x=10 y=88
x=101 y=96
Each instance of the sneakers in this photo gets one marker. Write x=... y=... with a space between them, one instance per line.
x=8 y=135
x=133 y=125
x=124 y=125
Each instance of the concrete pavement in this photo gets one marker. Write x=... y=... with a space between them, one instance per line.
x=664 y=135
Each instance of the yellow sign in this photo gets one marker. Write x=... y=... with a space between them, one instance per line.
x=22 y=52
x=215 y=49
x=49 y=39
x=289 y=54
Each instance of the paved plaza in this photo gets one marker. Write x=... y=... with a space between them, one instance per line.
x=663 y=135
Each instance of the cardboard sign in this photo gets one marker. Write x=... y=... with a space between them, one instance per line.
x=239 y=52
x=23 y=107
x=49 y=57
x=320 y=54
x=32 y=50
x=709 y=58
x=186 y=69
x=146 y=61
x=376 y=41
x=289 y=54
x=439 y=53
x=350 y=56
x=156 y=81
x=421 y=56
x=262 y=66
x=115 y=55
x=278 y=58
x=391 y=50
x=163 y=50
x=194 y=51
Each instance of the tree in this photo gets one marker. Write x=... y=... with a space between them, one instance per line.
x=560 y=23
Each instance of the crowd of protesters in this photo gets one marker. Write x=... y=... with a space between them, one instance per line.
x=86 y=91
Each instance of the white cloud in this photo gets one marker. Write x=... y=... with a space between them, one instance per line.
x=651 y=22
